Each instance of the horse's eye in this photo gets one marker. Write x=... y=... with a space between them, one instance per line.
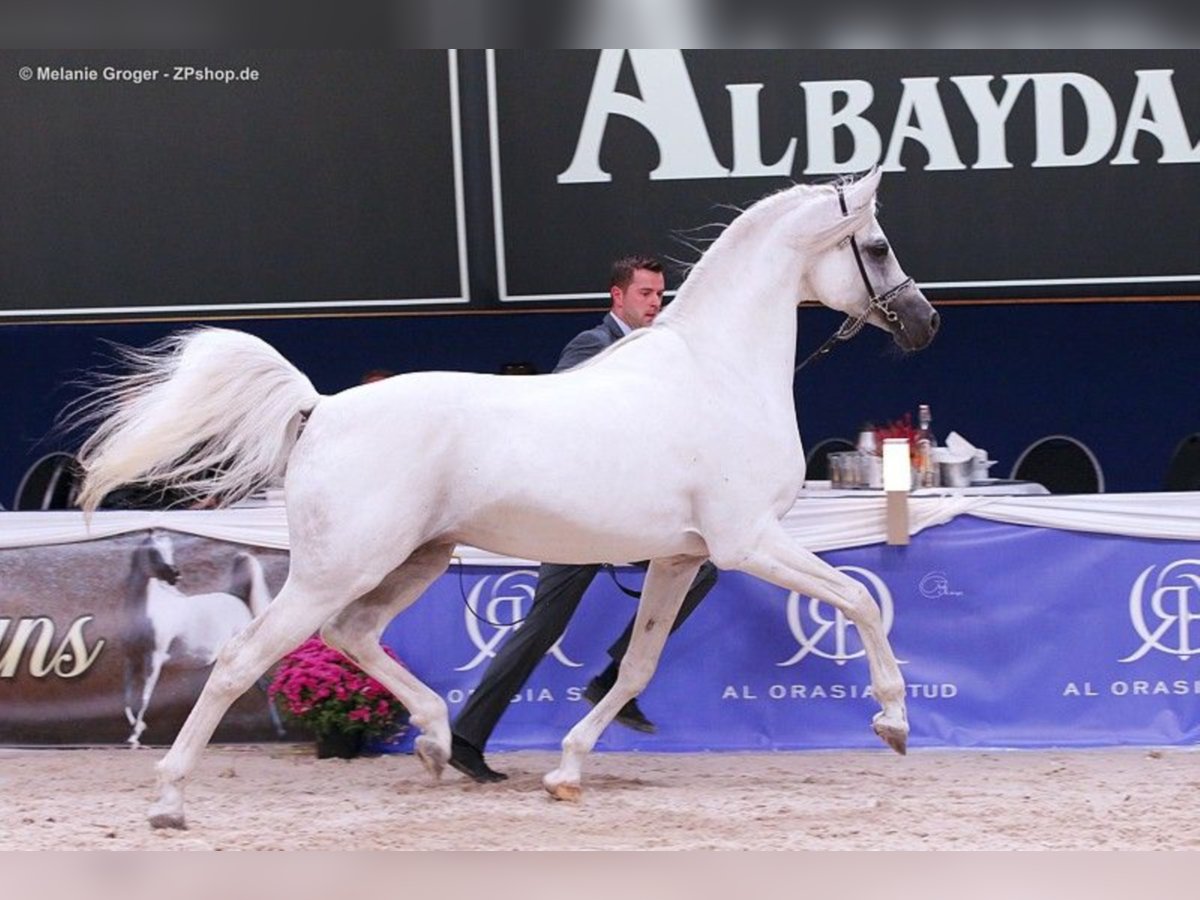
x=879 y=249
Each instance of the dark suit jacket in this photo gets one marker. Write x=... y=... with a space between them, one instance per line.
x=588 y=343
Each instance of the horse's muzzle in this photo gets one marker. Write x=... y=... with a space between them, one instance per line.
x=916 y=321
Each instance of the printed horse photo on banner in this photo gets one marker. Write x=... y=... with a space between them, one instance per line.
x=164 y=625
x=384 y=480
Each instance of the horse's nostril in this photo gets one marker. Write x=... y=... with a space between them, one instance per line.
x=935 y=320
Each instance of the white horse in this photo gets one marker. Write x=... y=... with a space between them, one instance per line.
x=692 y=418
x=165 y=624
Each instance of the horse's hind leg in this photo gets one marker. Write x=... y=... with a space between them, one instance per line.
x=264 y=684
x=295 y=615
x=355 y=631
x=778 y=560
x=666 y=584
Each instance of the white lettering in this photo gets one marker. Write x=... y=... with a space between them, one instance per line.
x=1155 y=94
x=990 y=117
x=822 y=122
x=1099 y=116
x=932 y=131
x=667 y=108
x=69 y=659
x=529 y=695
x=747 y=151
x=665 y=104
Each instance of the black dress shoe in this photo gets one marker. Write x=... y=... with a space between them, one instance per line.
x=630 y=715
x=467 y=759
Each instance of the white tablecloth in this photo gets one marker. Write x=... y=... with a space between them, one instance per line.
x=817 y=522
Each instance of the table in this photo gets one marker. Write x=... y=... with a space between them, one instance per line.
x=994 y=487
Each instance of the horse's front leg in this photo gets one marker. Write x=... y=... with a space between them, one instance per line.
x=157 y=659
x=662 y=594
x=778 y=560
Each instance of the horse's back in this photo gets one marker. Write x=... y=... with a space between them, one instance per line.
x=607 y=461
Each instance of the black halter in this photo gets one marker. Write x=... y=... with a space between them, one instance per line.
x=875 y=302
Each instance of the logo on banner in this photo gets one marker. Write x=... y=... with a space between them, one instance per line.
x=822 y=630
x=1163 y=609
x=497 y=605
x=936 y=584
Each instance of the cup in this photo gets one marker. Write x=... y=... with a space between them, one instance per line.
x=837 y=470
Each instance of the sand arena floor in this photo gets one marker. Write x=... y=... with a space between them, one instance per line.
x=282 y=797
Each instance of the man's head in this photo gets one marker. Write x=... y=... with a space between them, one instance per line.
x=636 y=287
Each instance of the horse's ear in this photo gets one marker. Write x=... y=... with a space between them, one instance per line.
x=862 y=192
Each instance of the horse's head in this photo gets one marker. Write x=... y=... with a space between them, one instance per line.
x=158 y=556
x=853 y=269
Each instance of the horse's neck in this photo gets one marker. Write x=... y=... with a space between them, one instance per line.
x=742 y=317
x=137 y=589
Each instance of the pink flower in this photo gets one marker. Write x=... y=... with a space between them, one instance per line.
x=318 y=686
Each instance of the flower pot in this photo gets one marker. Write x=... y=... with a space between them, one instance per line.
x=339 y=745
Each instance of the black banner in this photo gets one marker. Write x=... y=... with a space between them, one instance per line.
x=190 y=183
x=1009 y=174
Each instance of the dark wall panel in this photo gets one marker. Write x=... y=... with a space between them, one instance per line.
x=327 y=179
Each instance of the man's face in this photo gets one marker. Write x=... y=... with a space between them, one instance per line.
x=640 y=301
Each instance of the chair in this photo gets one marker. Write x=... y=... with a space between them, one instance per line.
x=1063 y=464
x=1183 y=471
x=52 y=482
x=817 y=461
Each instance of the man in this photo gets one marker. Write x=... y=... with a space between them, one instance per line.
x=636 y=287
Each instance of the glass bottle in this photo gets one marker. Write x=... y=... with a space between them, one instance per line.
x=928 y=470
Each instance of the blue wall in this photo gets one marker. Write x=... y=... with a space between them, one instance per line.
x=1120 y=376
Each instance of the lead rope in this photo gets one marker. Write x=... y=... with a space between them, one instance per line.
x=612 y=573
x=462 y=589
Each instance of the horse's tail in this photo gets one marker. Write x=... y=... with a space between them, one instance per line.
x=258 y=594
x=209 y=411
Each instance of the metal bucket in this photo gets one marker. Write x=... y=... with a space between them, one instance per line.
x=957 y=474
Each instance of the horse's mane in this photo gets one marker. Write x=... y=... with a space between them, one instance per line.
x=817 y=240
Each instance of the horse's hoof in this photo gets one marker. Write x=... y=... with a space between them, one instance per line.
x=562 y=790
x=895 y=736
x=168 y=820
x=432 y=756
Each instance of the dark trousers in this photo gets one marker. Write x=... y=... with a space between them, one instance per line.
x=559 y=590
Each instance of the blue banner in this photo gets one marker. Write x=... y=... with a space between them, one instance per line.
x=1008 y=636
